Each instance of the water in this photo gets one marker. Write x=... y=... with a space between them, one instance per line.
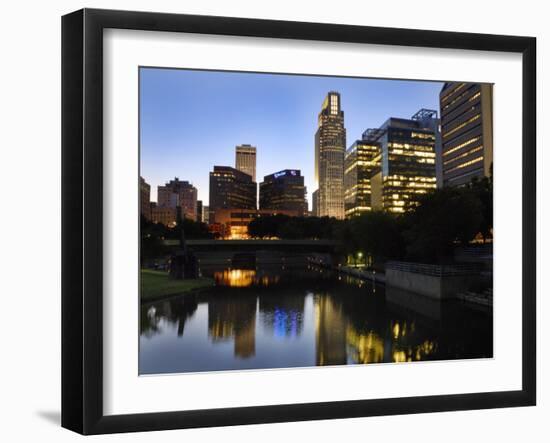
x=282 y=318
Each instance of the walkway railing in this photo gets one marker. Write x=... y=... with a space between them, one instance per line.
x=434 y=270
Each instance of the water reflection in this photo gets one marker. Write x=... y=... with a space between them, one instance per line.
x=242 y=278
x=230 y=319
x=273 y=318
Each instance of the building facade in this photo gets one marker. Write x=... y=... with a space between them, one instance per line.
x=178 y=193
x=467 y=132
x=330 y=147
x=406 y=162
x=360 y=161
x=199 y=211
x=284 y=190
x=164 y=214
x=245 y=160
x=233 y=223
x=144 y=198
x=230 y=189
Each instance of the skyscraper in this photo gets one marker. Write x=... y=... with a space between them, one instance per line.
x=360 y=160
x=330 y=147
x=199 y=211
x=284 y=190
x=145 y=198
x=407 y=161
x=245 y=160
x=467 y=132
x=230 y=189
x=178 y=193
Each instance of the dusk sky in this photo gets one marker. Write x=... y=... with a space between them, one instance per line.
x=192 y=120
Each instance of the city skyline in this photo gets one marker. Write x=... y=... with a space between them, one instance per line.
x=212 y=122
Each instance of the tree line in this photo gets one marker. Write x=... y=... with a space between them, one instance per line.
x=443 y=219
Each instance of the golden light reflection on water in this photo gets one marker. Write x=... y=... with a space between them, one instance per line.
x=242 y=278
x=365 y=348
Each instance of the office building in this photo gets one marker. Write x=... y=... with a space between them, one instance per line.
x=230 y=189
x=164 y=214
x=284 y=190
x=178 y=193
x=245 y=160
x=144 y=198
x=330 y=147
x=233 y=223
x=360 y=161
x=406 y=161
x=467 y=132
x=206 y=214
x=199 y=211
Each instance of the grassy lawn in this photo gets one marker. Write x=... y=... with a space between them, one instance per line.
x=156 y=285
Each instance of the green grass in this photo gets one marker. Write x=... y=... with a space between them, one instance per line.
x=156 y=285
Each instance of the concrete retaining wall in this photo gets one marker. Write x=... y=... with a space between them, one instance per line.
x=438 y=287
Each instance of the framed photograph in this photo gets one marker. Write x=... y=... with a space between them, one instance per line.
x=269 y=221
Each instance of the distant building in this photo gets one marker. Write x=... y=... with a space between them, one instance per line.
x=284 y=190
x=144 y=198
x=467 y=132
x=178 y=193
x=230 y=189
x=315 y=203
x=245 y=160
x=199 y=211
x=206 y=214
x=407 y=161
x=360 y=161
x=330 y=147
x=233 y=223
x=165 y=215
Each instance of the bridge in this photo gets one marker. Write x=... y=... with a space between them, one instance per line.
x=299 y=246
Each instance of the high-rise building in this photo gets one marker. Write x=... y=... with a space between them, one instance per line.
x=206 y=214
x=178 y=193
x=144 y=198
x=330 y=147
x=230 y=189
x=245 y=160
x=361 y=159
x=164 y=214
x=407 y=161
x=467 y=132
x=284 y=190
x=315 y=203
x=199 y=211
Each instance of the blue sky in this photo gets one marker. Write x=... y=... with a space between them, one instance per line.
x=192 y=120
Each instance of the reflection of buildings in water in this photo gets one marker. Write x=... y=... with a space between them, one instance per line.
x=235 y=278
x=241 y=278
x=284 y=314
x=177 y=310
x=399 y=345
x=367 y=347
x=403 y=346
x=234 y=319
x=330 y=332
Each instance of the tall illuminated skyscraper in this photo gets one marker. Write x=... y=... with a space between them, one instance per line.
x=467 y=131
x=245 y=160
x=406 y=161
x=330 y=147
x=361 y=159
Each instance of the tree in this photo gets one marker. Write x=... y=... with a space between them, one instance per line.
x=376 y=233
x=442 y=219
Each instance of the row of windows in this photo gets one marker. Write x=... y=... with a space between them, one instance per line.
x=462 y=145
x=464 y=165
x=467 y=122
x=465 y=154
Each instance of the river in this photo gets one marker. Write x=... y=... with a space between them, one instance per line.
x=277 y=317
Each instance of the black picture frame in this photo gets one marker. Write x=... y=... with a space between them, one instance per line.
x=82 y=215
